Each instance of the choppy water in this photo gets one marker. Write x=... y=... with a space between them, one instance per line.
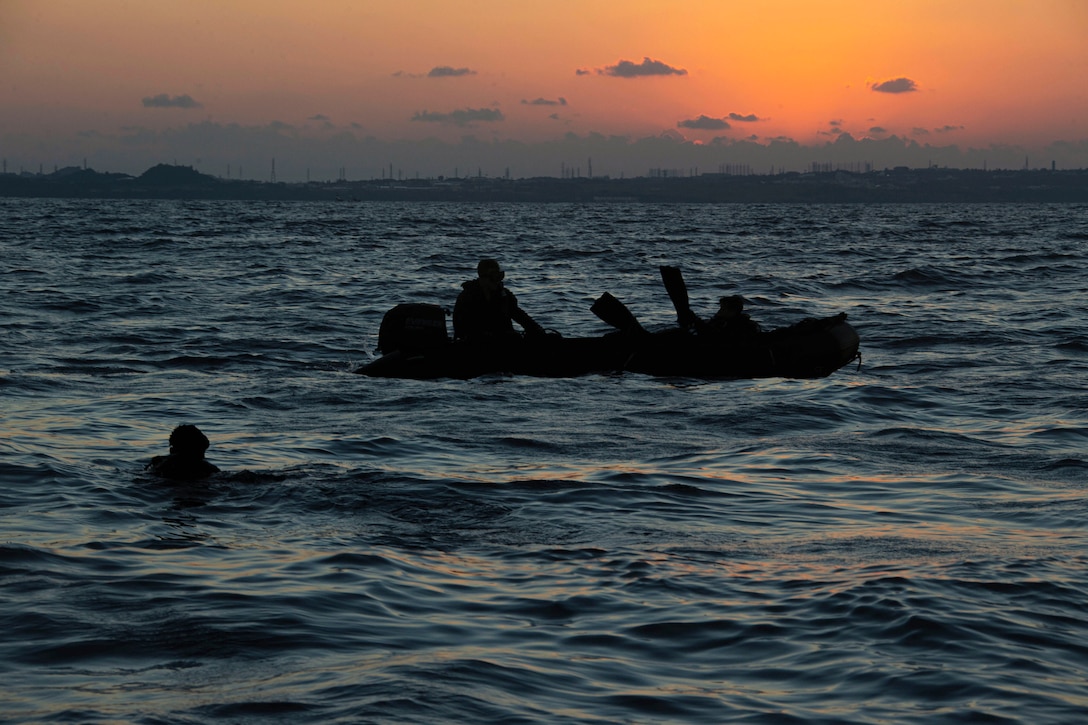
x=904 y=543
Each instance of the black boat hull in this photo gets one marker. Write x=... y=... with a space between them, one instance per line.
x=813 y=348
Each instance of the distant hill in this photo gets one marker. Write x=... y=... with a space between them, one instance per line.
x=899 y=185
x=167 y=175
x=78 y=175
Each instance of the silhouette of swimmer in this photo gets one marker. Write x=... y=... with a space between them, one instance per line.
x=186 y=459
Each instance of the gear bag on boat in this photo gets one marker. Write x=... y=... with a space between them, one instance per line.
x=412 y=327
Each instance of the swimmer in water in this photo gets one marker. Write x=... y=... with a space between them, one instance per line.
x=186 y=459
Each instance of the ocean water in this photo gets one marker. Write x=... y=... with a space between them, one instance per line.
x=904 y=542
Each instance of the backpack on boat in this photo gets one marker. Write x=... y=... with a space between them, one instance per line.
x=412 y=327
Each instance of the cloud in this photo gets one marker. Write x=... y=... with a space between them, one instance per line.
x=897 y=85
x=918 y=131
x=446 y=71
x=582 y=72
x=704 y=123
x=648 y=67
x=319 y=117
x=545 y=102
x=878 y=129
x=750 y=118
x=164 y=101
x=948 y=129
x=461 y=117
x=439 y=71
x=834 y=128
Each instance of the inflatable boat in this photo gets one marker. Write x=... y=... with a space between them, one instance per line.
x=415 y=344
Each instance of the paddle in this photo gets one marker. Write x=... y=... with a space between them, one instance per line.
x=615 y=313
x=678 y=293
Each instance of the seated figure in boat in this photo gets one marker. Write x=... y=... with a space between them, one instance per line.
x=486 y=310
x=731 y=321
x=186 y=459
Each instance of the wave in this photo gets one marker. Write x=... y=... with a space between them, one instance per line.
x=606 y=548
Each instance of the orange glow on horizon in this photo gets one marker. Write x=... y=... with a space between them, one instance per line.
x=983 y=71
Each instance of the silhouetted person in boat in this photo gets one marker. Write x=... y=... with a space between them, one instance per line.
x=186 y=459
x=731 y=321
x=486 y=310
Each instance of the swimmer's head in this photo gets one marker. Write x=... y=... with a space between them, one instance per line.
x=187 y=440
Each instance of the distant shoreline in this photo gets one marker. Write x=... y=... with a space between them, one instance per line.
x=900 y=185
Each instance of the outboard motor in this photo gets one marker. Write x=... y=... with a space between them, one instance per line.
x=412 y=327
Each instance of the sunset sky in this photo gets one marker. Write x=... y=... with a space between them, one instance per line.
x=331 y=87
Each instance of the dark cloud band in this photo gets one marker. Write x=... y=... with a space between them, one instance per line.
x=545 y=102
x=704 y=123
x=897 y=85
x=447 y=71
x=166 y=101
x=461 y=117
x=648 y=67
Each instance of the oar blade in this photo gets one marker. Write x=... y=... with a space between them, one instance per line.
x=615 y=313
x=678 y=293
